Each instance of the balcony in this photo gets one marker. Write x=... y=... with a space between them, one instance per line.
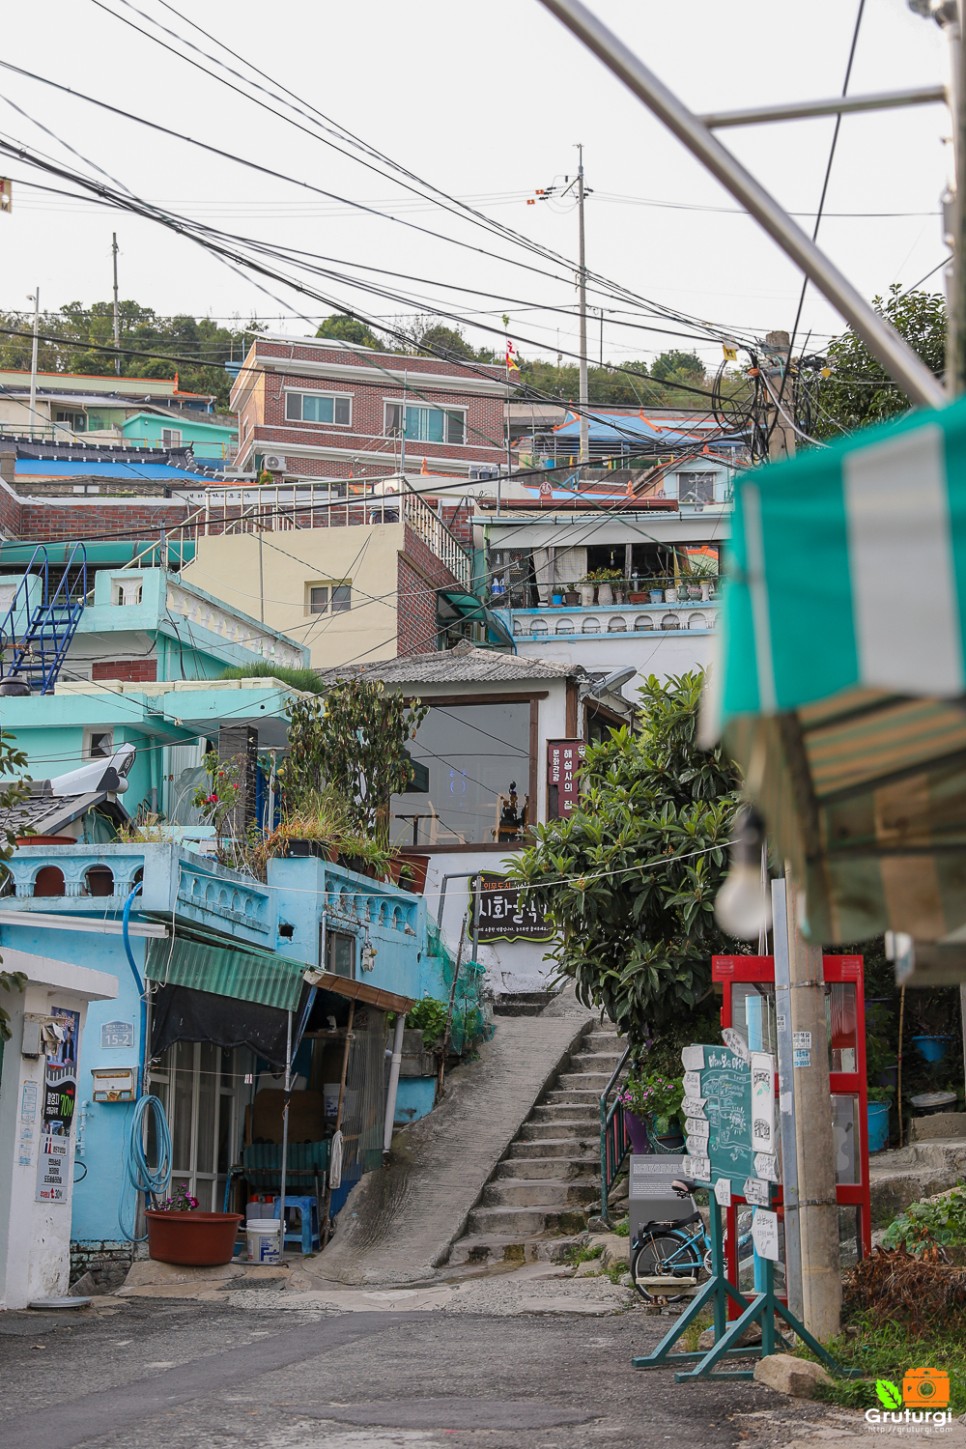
x=584 y=622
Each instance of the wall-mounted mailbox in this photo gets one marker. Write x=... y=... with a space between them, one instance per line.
x=114 y=1084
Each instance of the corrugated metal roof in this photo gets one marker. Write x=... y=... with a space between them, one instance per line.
x=90 y=468
x=223 y=971
x=462 y=665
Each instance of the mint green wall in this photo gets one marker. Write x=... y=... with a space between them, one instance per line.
x=52 y=752
x=211 y=440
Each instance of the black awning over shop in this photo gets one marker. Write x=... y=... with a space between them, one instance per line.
x=181 y=1013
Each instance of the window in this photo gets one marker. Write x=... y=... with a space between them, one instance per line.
x=425 y=424
x=340 y=954
x=100 y=744
x=478 y=776
x=330 y=598
x=696 y=487
x=319 y=407
x=77 y=422
x=171 y=437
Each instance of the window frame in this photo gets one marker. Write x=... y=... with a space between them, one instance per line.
x=331 y=586
x=494 y=847
x=172 y=438
x=334 y=397
x=447 y=412
x=89 y=737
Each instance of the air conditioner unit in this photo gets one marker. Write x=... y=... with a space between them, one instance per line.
x=274 y=462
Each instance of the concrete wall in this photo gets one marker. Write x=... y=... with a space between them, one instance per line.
x=274 y=572
x=35 y=1236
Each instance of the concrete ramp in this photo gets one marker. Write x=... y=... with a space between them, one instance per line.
x=398 y=1223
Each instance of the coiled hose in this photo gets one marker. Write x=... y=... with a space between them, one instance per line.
x=138 y=1172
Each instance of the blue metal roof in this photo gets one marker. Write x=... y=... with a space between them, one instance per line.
x=631 y=428
x=88 y=468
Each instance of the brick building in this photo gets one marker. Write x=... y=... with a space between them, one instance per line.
x=320 y=408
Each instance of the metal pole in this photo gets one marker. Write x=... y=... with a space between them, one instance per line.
x=33 y=362
x=582 y=295
x=117 y=313
x=895 y=355
x=288 y=1093
x=393 y=1088
x=786 y=1100
x=837 y=106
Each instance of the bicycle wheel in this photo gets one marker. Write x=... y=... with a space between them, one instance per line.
x=665 y=1254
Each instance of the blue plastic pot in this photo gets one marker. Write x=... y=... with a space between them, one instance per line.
x=931 y=1048
x=877 y=1116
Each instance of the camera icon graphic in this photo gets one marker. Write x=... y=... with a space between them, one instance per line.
x=926 y=1388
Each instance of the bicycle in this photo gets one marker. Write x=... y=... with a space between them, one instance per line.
x=667 y=1250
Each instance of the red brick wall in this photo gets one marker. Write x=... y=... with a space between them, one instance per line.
x=484 y=414
x=42 y=524
x=137 y=671
x=418 y=573
x=10 y=511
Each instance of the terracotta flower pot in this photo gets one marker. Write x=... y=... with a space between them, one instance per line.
x=195 y=1240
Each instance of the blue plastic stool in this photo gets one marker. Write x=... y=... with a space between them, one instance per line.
x=308 y=1232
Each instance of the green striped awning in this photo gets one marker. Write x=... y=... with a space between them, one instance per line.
x=841 y=684
x=225 y=971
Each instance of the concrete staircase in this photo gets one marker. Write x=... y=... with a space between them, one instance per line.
x=539 y=1194
x=906 y=1174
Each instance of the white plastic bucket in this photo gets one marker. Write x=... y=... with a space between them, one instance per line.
x=264 y=1240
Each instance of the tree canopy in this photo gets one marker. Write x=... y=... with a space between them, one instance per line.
x=197 y=349
x=349 y=329
x=857 y=391
x=630 y=877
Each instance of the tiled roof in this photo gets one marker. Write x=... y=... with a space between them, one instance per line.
x=43 y=813
x=462 y=665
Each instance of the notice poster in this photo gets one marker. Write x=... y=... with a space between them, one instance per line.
x=59 y=1100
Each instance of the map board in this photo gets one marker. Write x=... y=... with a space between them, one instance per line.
x=726 y=1133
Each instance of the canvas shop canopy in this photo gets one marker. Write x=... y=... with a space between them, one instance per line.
x=841 y=679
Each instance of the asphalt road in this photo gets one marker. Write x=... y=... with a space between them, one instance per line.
x=194 y=1375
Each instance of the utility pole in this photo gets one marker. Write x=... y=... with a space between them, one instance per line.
x=817 y=1207
x=582 y=299
x=117 y=311
x=35 y=298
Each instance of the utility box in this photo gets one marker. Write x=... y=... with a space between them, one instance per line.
x=650 y=1195
x=113 y=1084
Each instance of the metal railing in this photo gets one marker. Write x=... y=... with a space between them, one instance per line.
x=283 y=507
x=614 y=1141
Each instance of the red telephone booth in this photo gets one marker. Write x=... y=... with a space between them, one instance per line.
x=749 y=1004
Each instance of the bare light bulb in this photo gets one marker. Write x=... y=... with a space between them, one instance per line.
x=742 y=907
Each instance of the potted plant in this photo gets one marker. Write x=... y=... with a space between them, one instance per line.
x=588 y=589
x=179 y=1233
x=671 y=591
x=655 y=594
x=652 y=1105
x=605 y=580
x=571 y=595
x=556 y=597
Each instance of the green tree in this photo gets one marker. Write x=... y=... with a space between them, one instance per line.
x=352 y=741
x=857 y=391
x=676 y=366
x=448 y=342
x=630 y=877
x=12 y=791
x=349 y=329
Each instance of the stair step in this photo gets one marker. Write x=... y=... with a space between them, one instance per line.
x=578 y=1132
x=540 y=1193
x=595 y=1062
x=492 y=1248
x=525 y=1222
x=550 y=1148
x=565 y=1168
x=567 y=1108
x=583 y=1081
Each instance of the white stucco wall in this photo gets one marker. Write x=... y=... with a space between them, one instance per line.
x=35 y=1236
x=660 y=654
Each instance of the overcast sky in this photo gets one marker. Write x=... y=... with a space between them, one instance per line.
x=486 y=101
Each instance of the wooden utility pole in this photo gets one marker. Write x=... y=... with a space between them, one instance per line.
x=818 y=1214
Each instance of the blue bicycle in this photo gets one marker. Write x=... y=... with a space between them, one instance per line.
x=665 y=1251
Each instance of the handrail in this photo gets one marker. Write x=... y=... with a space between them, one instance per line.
x=614 y=1142
x=8 y=625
